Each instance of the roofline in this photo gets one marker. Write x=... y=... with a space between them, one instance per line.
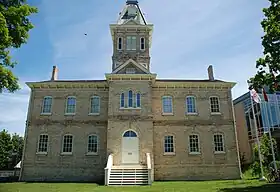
x=241 y=98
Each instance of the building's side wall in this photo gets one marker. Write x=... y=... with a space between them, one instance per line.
x=54 y=166
x=242 y=133
x=182 y=165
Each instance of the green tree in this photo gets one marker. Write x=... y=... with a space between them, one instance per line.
x=268 y=67
x=14 y=28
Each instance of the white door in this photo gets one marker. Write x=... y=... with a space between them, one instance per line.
x=130 y=148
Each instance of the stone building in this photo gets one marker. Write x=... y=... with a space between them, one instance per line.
x=130 y=128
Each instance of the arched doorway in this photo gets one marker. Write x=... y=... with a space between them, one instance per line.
x=130 y=148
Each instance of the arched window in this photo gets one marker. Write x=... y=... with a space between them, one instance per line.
x=95 y=105
x=130 y=134
x=122 y=100
x=120 y=43
x=130 y=98
x=190 y=104
x=47 y=105
x=70 y=105
x=138 y=100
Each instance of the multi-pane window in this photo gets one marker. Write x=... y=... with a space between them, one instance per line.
x=130 y=98
x=219 y=143
x=92 y=144
x=167 y=106
x=122 y=100
x=142 y=43
x=67 y=146
x=214 y=104
x=43 y=143
x=70 y=105
x=131 y=43
x=120 y=43
x=168 y=144
x=190 y=104
x=194 y=143
x=47 y=105
x=138 y=100
x=130 y=70
x=95 y=105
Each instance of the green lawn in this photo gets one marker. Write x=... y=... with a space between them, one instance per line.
x=206 y=186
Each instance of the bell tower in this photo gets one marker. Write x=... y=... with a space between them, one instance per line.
x=132 y=37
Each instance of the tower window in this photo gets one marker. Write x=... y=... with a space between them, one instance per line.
x=130 y=70
x=131 y=43
x=120 y=43
x=142 y=43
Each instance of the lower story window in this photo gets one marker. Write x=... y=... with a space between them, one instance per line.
x=219 y=143
x=168 y=144
x=67 y=144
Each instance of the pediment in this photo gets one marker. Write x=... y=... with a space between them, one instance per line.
x=131 y=22
x=129 y=66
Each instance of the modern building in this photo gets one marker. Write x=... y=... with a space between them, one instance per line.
x=131 y=127
x=267 y=115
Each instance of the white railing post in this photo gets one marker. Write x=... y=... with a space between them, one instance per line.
x=149 y=167
x=108 y=169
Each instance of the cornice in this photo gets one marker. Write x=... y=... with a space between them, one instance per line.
x=192 y=122
x=38 y=122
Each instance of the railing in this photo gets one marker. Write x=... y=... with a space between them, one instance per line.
x=108 y=168
x=149 y=166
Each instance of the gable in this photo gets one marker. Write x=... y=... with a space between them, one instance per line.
x=129 y=66
x=131 y=22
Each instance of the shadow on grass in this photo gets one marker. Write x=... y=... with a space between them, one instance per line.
x=262 y=188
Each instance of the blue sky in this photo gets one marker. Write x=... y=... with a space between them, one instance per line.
x=189 y=35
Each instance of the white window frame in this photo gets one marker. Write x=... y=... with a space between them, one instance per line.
x=128 y=99
x=66 y=107
x=39 y=144
x=91 y=105
x=43 y=106
x=143 y=43
x=131 y=43
x=195 y=107
x=130 y=70
x=198 y=144
x=120 y=43
x=72 y=144
x=173 y=145
x=223 y=143
x=97 y=145
x=210 y=105
x=122 y=107
x=162 y=104
x=137 y=99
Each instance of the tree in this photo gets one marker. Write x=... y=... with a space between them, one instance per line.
x=268 y=67
x=14 y=28
x=11 y=148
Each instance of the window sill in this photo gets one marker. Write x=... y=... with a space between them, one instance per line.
x=94 y=114
x=195 y=153
x=46 y=114
x=216 y=113
x=91 y=154
x=219 y=152
x=67 y=153
x=70 y=114
x=192 y=114
x=169 y=154
x=167 y=114
x=130 y=108
x=41 y=153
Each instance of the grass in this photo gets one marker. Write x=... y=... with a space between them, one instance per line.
x=202 y=186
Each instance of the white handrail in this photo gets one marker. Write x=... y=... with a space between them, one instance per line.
x=108 y=169
x=149 y=166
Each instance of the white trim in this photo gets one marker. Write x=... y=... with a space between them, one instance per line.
x=66 y=105
x=38 y=144
x=121 y=43
x=162 y=108
x=129 y=107
x=72 y=147
x=129 y=130
x=223 y=139
x=43 y=105
x=215 y=113
x=186 y=105
x=90 y=108
x=134 y=63
x=97 y=148
x=174 y=151
x=189 y=146
x=141 y=43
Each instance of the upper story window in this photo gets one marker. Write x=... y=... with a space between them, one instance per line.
x=131 y=43
x=43 y=143
x=130 y=70
x=142 y=43
x=167 y=106
x=47 y=105
x=169 y=144
x=191 y=105
x=138 y=100
x=67 y=145
x=194 y=144
x=122 y=100
x=92 y=144
x=219 y=143
x=214 y=104
x=120 y=43
x=71 y=105
x=130 y=99
x=95 y=105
